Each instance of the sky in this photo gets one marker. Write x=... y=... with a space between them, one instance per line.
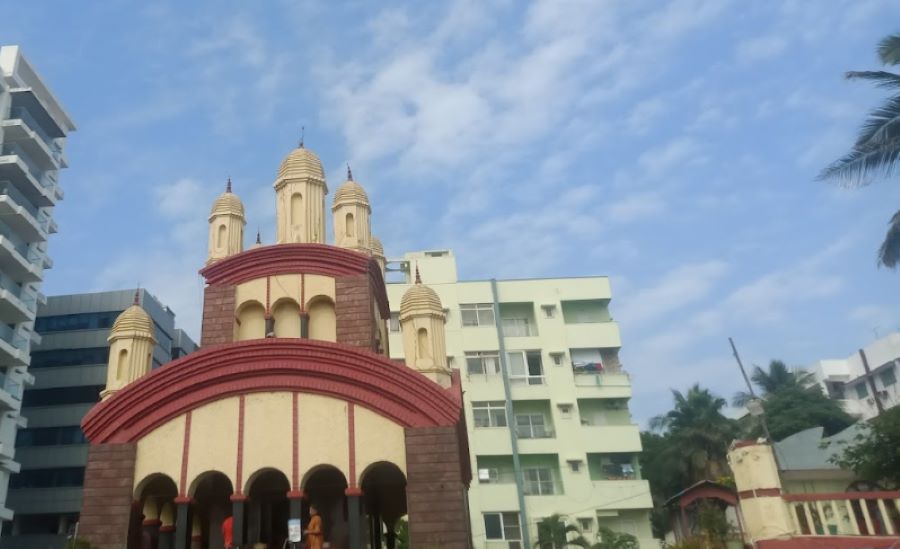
x=672 y=145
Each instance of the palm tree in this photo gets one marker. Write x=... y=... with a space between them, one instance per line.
x=554 y=533
x=877 y=148
x=698 y=431
x=778 y=377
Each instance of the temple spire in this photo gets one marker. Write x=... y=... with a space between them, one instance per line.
x=258 y=239
x=349 y=173
x=228 y=185
x=302 y=135
x=418 y=277
x=137 y=295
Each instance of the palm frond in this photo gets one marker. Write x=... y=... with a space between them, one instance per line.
x=889 y=50
x=740 y=399
x=856 y=168
x=882 y=79
x=882 y=125
x=889 y=253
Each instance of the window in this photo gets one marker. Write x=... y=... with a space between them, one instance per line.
x=489 y=414
x=395 y=321
x=50 y=436
x=538 y=481
x=575 y=465
x=477 y=314
x=518 y=327
x=48 y=478
x=483 y=362
x=861 y=390
x=86 y=394
x=557 y=358
x=586 y=524
x=549 y=311
x=489 y=476
x=503 y=526
x=888 y=377
x=69 y=357
x=617 y=467
x=565 y=410
x=525 y=368
x=79 y=321
x=532 y=426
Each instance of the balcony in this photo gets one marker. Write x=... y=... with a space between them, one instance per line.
x=22 y=128
x=593 y=384
x=621 y=494
x=16 y=167
x=23 y=217
x=14 y=346
x=11 y=393
x=598 y=334
x=610 y=438
x=15 y=260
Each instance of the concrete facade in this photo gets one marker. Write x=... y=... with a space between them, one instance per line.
x=70 y=370
x=33 y=128
x=565 y=393
x=845 y=379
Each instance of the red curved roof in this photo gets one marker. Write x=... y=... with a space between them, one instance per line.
x=279 y=259
x=354 y=375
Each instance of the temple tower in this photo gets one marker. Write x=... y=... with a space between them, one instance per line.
x=300 y=191
x=422 y=325
x=131 y=343
x=351 y=211
x=226 y=226
x=377 y=251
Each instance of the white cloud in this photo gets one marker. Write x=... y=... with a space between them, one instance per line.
x=670 y=157
x=761 y=48
x=645 y=114
x=636 y=207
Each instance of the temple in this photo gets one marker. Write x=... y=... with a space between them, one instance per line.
x=291 y=401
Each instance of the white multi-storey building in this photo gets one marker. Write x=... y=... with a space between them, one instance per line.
x=546 y=402
x=33 y=127
x=846 y=379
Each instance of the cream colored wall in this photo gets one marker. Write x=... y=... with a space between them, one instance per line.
x=284 y=289
x=284 y=286
x=136 y=363
x=322 y=435
x=361 y=237
x=309 y=224
x=233 y=241
x=754 y=468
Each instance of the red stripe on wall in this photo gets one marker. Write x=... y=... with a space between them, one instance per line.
x=295 y=470
x=268 y=296
x=239 y=475
x=302 y=293
x=184 y=454
x=351 y=439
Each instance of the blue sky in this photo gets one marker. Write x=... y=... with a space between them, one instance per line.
x=672 y=145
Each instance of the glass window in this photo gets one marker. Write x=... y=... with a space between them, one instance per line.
x=483 y=362
x=517 y=327
x=48 y=478
x=50 y=436
x=477 y=314
x=395 y=321
x=531 y=426
x=525 y=367
x=80 y=321
x=62 y=395
x=503 y=526
x=861 y=390
x=538 y=481
x=888 y=377
x=69 y=357
x=489 y=414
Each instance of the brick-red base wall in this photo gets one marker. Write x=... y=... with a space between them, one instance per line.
x=218 y=315
x=108 y=483
x=354 y=310
x=435 y=491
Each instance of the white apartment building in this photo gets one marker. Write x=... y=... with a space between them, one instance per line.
x=33 y=127
x=846 y=380
x=546 y=402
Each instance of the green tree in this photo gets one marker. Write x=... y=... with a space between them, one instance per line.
x=402 y=530
x=554 y=533
x=698 y=434
x=615 y=540
x=792 y=402
x=877 y=147
x=874 y=455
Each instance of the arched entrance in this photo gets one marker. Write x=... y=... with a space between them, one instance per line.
x=211 y=492
x=151 y=524
x=325 y=488
x=267 y=508
x=384 y=493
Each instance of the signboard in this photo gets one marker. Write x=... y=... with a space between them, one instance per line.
x=295 y=530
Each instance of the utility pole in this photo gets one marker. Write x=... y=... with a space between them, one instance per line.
x=871 y=381
x=755 y=406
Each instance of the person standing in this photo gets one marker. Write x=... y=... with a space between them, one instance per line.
x=228 y=532
x=315 y=538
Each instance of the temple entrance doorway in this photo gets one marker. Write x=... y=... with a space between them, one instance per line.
x=153 y=514
x=324 y=489
x=267 y=508
x=211 y=492
x=384 y=495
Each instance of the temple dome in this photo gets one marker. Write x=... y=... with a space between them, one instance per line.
x=377 y=248
x=133 y=319
x=420 y=299
x=351 y=191
x=301 y=163
x=228 y=203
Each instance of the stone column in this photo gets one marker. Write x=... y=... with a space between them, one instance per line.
x=182 y=530
x=150 y=533
x=304 y=325
x=354 y=507
x=295 y=504
x=237 y=514
x=758 y=484
x=196 y=533
x=167 y=526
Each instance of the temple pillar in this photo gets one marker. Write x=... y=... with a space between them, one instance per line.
x=354 y=508
x=237 y=514
x=304 y=325
x=150 y=533
x=167 y=527
x=295 y=504
x=182 y=510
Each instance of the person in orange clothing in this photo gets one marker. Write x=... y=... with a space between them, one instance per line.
x=315 y=538
x=228 y=532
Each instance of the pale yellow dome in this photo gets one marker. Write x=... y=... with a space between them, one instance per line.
x=420 y=299
x=301 y=163
x=351 y=191
x=377 y=248
x=228 y=203
x=133 y=319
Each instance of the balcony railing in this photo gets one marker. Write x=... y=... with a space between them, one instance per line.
x=845 y=513
x=534 y=431
x=25 y=116
x=27 y=299
x=585 y=378
x=14 y=388
x=46 y=178
x=14 y=337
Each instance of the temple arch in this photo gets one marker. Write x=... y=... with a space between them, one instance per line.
x=322 y=319
x=325 y=487
x=250 y=321
x=384 y=490
x=153 y=499
x=286 y=313
x=296 y=209
x=267 y=507
x=211 y=492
